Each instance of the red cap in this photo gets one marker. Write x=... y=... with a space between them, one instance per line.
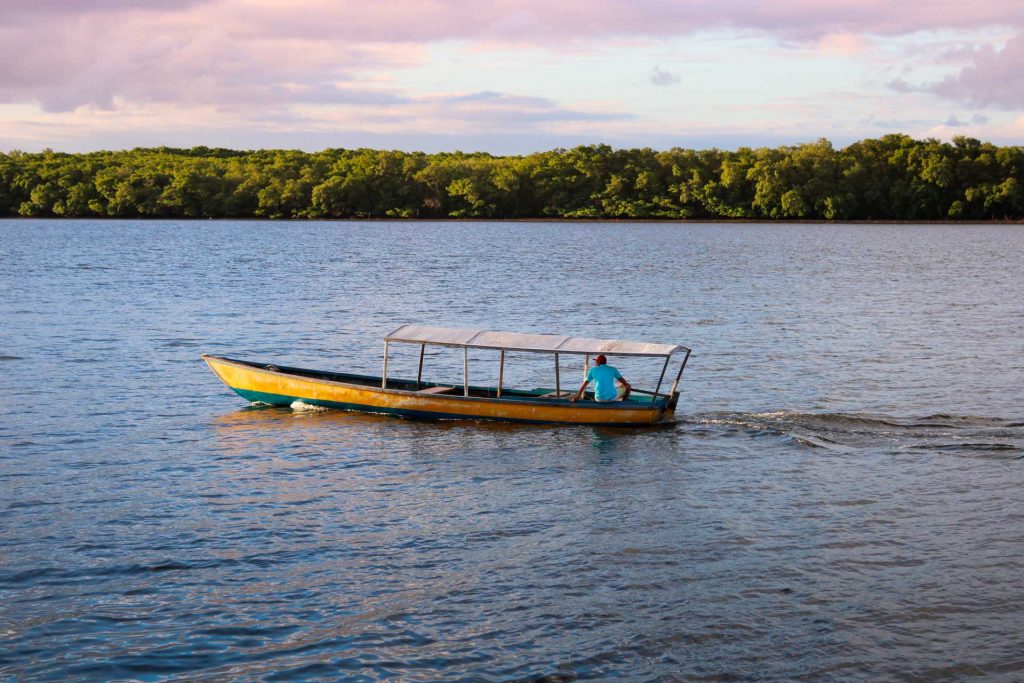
x=600 y=360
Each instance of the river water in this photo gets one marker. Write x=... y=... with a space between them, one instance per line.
x=842 y=498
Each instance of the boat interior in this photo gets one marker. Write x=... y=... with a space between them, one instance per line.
x=637 y=397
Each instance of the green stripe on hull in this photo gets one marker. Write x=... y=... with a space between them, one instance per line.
x=280 y=400
x=271 y=399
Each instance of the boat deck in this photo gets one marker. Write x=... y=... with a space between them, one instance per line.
x=540 y=394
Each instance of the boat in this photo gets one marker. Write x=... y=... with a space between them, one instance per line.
x=280 y=385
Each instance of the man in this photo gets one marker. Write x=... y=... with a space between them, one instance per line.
x=604 y=377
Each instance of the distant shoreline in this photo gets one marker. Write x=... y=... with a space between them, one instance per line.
x=894 y=178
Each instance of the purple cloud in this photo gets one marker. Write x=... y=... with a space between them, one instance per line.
x=513 y=111
x=14 y=9
x=543 y=20
x=327 y=64
x=186 y=58
x=504 y=99
x=62 y=54
x=995 y=78
x=901 y=86
x=659 y=77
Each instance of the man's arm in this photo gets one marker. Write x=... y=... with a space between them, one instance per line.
x=623 y=382
x=579 y=394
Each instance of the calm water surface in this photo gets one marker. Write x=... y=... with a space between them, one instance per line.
x=842 y=499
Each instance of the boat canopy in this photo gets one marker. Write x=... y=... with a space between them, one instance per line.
x=517 y=341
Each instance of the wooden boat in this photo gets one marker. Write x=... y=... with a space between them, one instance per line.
x=282 y=385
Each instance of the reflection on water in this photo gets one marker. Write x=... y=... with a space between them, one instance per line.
x=840 y=500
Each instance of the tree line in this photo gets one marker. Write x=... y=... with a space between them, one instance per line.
x=894 y=177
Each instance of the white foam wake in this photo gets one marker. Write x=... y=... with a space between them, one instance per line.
x=307 y=407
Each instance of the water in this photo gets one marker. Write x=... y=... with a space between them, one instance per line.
x=843 y=498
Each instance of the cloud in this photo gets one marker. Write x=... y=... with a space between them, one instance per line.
x=501 y=111
x=187 y=57
x=994 y=78
x=842 y=44
x=663 y=78
x=955 y=121
x=56 y=8
x=542 y=20
x=334 y=64
x=502 y=99
x=63 y=54
x=901 y=86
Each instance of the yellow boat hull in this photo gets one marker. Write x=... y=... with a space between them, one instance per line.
x=269 y=384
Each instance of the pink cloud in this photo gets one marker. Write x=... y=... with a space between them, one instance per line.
x=994 y=78
x=67 y=53
x=417 y=20
x=280 y=61
x=24 y=12
x=185 y=57
x=842 y=44
x=544 y=21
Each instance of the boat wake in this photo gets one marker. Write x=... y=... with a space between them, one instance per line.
x=963 y=434
x=303 y=407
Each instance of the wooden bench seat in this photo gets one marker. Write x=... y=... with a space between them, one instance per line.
x=436 y=390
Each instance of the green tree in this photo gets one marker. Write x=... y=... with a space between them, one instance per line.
x=892 y=177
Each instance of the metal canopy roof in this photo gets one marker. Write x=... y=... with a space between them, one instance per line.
x=516 y=341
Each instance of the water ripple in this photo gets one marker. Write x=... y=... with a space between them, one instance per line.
x=841 y=500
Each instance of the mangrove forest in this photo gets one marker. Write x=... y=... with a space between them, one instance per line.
x=894 y=177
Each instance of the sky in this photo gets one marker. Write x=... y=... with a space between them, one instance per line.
x=505 y=76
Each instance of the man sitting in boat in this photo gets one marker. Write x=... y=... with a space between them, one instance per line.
x=604 y=377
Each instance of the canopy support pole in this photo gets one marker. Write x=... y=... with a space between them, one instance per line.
x=384 y=373
x=419 y=374
x=679 y=374
x=586 y=370
x=663 y=369
x=501 y=372
x=558 y=379
x=465 y=371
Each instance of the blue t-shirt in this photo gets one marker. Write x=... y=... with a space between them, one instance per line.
x=604 y=377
